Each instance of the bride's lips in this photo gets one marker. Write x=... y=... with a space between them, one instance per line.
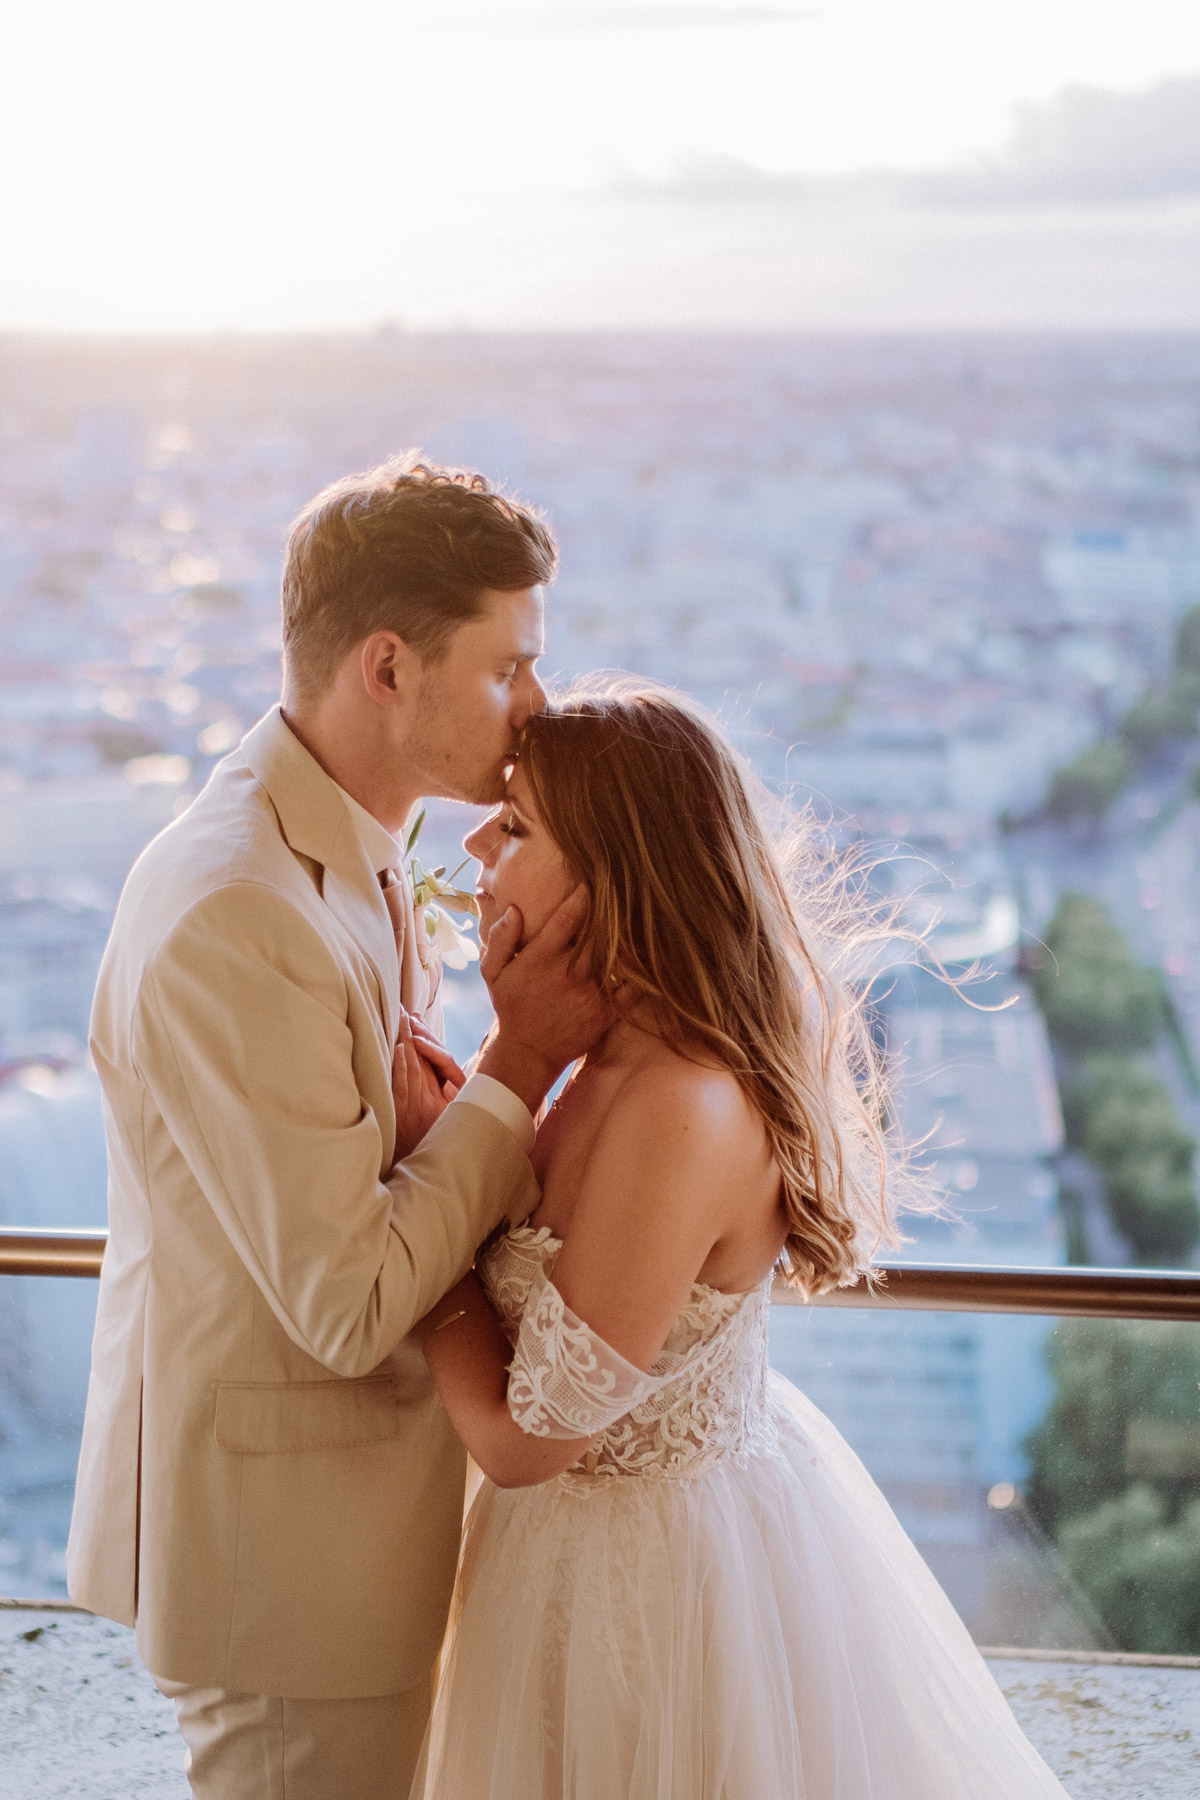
x=487 y=912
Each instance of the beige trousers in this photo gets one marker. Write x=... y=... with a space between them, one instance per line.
x=256 y=1747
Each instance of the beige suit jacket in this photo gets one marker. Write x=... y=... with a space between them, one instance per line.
x=268 y=1485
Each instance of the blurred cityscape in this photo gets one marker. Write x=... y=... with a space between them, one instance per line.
x=917 y=578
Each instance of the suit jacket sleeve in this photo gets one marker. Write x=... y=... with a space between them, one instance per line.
x=242 y=1039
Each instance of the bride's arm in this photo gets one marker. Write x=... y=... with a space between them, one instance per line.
x=469 y=1356
x=647 y=1215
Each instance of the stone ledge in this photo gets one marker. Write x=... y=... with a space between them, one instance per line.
x=1113 y=1659
x=1111 y=1727
x=80 y=1719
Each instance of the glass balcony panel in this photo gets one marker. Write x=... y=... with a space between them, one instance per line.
x=45 y=1351
x=1048 y=1471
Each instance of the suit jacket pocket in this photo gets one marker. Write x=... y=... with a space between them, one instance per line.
x=273 y=1418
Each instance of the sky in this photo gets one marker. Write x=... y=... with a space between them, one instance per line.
x=280 y=164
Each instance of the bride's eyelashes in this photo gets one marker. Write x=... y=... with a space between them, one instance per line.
x=510 y=828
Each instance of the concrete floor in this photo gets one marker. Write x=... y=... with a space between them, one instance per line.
x=80 y=1718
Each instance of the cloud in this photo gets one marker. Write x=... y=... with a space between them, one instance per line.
x=801 y=261
x=718 y=180
x=617 y=17
x=1088 y=220
x=1086 y=146
x=1092 y=146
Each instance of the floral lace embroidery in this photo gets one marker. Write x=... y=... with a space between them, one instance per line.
x=704 y=1400
x=565 y=1381
x=507 y=1267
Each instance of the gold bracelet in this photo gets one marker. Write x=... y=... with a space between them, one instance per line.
x=449 y=1320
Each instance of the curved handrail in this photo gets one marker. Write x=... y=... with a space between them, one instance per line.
x=1052 y=1293
x=911 y=1286
x=25 y=1252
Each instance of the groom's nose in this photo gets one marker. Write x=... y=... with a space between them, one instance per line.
x=533 y=700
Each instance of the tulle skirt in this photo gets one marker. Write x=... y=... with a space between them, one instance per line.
x=763 y=1632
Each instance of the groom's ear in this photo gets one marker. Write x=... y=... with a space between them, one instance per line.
x=391 y=669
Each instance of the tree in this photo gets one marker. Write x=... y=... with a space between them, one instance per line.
x=1162 y=715
x=1141 y=1570
x=1093 y=995
x=1187 y=641
x=1145 y=1157
x=1108 y=1373
x=1087 y=787
x=1127 y=1525
x=1099 y=1005
x=1120 y=1115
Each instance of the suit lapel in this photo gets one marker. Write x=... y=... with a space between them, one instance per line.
x=356 y=900
x=316 y=822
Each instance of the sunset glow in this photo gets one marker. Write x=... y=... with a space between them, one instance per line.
x=261 y=165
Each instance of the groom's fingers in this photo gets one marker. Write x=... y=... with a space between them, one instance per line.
x=562 y=927
x=502 y=943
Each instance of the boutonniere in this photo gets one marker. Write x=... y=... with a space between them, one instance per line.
x=439 y=940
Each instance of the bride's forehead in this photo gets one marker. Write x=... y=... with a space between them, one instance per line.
x=517 y=790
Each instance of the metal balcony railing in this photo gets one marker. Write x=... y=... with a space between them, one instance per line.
x=920 y=1287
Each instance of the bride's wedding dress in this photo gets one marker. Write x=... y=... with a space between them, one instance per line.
x=715 y=1603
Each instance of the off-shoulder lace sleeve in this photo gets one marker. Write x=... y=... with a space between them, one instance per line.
x=565 y=1382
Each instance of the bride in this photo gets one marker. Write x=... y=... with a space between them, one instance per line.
x=677 y=1581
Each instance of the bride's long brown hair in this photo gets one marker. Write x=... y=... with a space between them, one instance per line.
x=749 y=945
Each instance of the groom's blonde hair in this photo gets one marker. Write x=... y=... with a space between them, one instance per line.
x=752 y=947
x=408 y=547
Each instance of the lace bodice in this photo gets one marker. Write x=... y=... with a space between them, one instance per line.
x=703 y=1401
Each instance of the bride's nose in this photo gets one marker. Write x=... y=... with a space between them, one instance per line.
x=481 y=843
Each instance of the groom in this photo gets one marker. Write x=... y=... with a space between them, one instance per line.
x=268 y=1486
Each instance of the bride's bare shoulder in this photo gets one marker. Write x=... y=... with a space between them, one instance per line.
x=670 y=1095
x=681 y=1164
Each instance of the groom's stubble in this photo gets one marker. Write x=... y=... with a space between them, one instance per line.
x=474 y=701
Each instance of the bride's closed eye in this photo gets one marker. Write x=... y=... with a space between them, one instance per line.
x=510 y=826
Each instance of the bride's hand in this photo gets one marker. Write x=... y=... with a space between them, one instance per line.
x=433 y=1051
x=425 y=1078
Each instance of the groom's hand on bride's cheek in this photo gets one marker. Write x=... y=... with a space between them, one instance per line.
x=549 y=1010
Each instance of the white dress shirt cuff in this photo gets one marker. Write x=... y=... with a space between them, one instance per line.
x=502 y=1103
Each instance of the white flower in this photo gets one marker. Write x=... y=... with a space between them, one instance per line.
x=440 y=941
